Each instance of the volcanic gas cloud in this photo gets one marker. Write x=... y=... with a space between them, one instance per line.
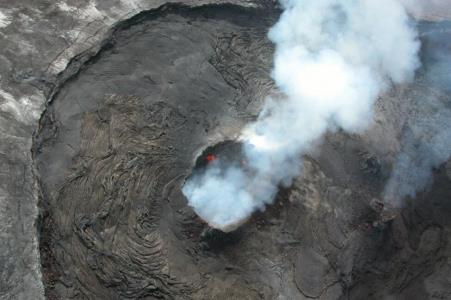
x=332 y=59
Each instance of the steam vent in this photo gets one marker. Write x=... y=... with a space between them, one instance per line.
x=225 y=149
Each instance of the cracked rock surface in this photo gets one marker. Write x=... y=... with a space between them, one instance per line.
x=131 y=99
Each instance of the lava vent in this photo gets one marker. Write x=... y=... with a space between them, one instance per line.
x=218 y=161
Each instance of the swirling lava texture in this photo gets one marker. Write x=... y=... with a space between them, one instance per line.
x=123 y=131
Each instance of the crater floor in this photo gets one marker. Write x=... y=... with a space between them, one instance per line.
x=122 y=133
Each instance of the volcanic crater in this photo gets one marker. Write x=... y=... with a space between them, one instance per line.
x=127 y=125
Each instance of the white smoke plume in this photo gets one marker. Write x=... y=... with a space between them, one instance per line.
x=426 y=143
x=426 y=139
x=332 y=59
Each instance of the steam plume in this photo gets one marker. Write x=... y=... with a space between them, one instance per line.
x=426 y=139
x=332 y=59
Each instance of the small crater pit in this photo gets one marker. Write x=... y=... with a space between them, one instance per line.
x=222 y=154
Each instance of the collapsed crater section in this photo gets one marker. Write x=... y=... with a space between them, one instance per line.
x=228 y=152
x=218 y=169
x=207 y=189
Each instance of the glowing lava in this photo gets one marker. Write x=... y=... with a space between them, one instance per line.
x=211 y=157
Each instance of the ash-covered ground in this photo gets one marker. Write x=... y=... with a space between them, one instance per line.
x=124 y=131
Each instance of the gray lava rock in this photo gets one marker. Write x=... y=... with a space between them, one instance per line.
x=129 y=104
x=39 y=39
x=313 y=273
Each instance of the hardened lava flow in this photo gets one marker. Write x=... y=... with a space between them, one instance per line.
x=167 y=95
